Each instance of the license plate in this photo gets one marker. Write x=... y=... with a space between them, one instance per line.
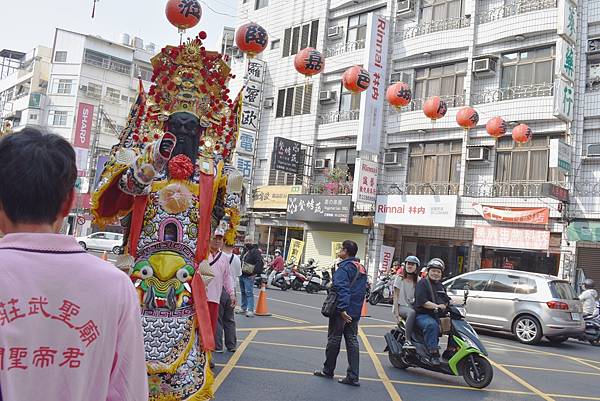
x=575 y=316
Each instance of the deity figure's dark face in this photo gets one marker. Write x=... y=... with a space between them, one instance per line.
x=186 y=127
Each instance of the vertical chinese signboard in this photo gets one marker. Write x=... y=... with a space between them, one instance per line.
x=564 y=91
x=82 y=136
x=295 y=251
x=287 y=156
x=365 y=182
x=250 y=117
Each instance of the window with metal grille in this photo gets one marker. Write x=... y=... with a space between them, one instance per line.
x=528 y=67
x=60 y=57
x=357 y=29
x=446 y=81
x=294 y=101
x=113 y=95
x=58 y=118
x=441 y=10
x=299 y=37
x=434 y=162
x=64 y=86
x=525 y=163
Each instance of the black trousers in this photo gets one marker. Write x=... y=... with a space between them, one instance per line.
x=226 y=324
x=338 y=328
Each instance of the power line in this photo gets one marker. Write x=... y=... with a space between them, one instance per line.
x=217 y=12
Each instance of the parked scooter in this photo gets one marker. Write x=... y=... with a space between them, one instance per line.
x=382 y=291
x=315 y=283
x=297 y=279
x=592 y=328
x=469 y=360
x=282 y=280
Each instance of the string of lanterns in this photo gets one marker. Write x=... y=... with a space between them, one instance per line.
x=252 y=39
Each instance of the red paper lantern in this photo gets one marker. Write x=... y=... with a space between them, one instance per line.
x=356 y=79
x=183 y=14
x=522 y=134
x=467 y=117
x=251 y=39
x=398 y=94
x=496 y=127
x=309 y=61
x=435 y=108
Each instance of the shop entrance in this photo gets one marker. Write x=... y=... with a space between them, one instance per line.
x=455 y=254
x=531 y=261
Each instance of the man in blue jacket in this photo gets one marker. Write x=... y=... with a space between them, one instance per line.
x=350 y=283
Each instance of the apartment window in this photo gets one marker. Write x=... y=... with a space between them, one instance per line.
x=113 y=95
x=446 y=81
x=60 y=57
x=33 y=117
x=144 y=73
x=275 y=44
x=528 y=67
x=58 y=118
x=435 y=162
x=105 y=61
x=525 y=163
x=357 y=28
x=64 y=86
x=261 y=4
x=300 y=37
x=441 y=10
x=349 y=101
x=94 y=90
x=294 y=101
x=346 y=158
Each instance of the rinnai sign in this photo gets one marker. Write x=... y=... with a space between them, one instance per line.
x=385 y=257
x=365 y=182
x=502 y=237
x=371 y=104
x=417 y=210
x=83 y=126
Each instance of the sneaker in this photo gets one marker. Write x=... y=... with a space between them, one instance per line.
x=320 y=373
x=219 y=350
x=435 y=359
x=240 y=311
x=349 y=382
x=231 y=350
x=249 y=314
x=408 y=345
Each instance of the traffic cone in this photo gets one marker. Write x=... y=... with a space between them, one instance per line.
x=365 y=310
x=105 y=256
x=261 y=306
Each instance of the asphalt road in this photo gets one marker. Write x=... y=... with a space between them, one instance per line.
x=277 y=355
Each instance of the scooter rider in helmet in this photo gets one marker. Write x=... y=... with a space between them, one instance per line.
x=588 y=297
x=404 y=296
x=428 y=306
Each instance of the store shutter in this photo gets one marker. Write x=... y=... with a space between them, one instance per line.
x=588 y=259
x=318 y=245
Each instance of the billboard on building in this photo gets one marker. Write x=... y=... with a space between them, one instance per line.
x=528 y=215
x=370 y=123
x=365 y=182
x=417 y=210
x=287 y=156
x=274 y=196
x=503 y=237
x=82 y=136
x=320 y=208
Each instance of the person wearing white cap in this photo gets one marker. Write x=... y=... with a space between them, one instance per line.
x=219 y=265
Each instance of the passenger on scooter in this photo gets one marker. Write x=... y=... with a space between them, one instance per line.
x=428 y=306
x=404 y=296
x=277 y=266
x=588 y=297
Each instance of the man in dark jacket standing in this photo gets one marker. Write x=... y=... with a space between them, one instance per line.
x=350 y=283
x=251 y=256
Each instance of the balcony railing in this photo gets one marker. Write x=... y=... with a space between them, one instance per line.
x=338 y=116
x=451 y=101
x=525 y=189
x=513 y=92
x=434 y=26
x=344 y=48
x=509 y=10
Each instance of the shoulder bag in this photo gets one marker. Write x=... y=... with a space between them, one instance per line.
x=329 y=307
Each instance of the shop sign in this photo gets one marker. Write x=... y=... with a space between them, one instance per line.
x=565 y=65
x=249 y=118
x=567 y=20
x=503 y=237
x=244 y=165
x=246 y=143
x=252 y=94
x=560 y=155
x=564 y=100
x=273 y=196
x=555 y=192
x=295 y=251
x=416 y=210
x=385 y=257
x=256 y=70
x=584 y=231
x=336 y=247
x=83 y=126
x=527 y=215
x=287 y=155
x=321 y=208
x=365 y=182
x=371 y=103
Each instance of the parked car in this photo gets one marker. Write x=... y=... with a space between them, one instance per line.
x=102 y=241
x=529 y=305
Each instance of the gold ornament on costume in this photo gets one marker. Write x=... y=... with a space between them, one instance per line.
x=175 y=198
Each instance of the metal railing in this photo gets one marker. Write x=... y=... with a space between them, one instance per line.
x=451 y=101
x=337 y=116
x=425 y=28
x=516 y=189
x=510 y=10
x=346 y=47
x=513 y=92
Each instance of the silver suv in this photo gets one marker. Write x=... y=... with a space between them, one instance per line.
x=530 y=305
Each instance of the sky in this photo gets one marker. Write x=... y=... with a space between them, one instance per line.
x=28 y=23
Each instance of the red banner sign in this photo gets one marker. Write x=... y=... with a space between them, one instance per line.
x=526 y=215
x=83 y=126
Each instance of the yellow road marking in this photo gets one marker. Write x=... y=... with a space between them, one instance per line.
x=578 y=372
x=305 y=346
x=379 y=368
x=289 y=319
x=509 y=350
x=457 y=387
x=316 y=330
x=315 y=327
x=232 y=361
x=522 y=382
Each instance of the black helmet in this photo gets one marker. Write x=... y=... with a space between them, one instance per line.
x=436 y=263
x=311 y=261
x=588 y=283
x=413 y=259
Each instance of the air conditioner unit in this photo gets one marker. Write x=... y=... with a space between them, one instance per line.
x=327 y=96
x=320 y=164
x=390 y=158
x=484 y=66
x=83 y=88
x=478 y=154
x=593 y=150
x=406 y=8
x=335 y=32
x=268 y=103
